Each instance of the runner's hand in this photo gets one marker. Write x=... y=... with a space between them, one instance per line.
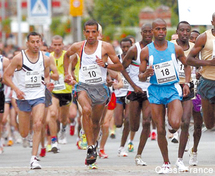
x=100 y=62
x=50 y=86
x=137 y=89
x=20 y=95
x=149 y=71
x=186 y=90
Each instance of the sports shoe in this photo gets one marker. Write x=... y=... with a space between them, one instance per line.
x=193 y=158
x=180 y=165
x=78 y=144
x=55 y=148
x=10 y=142
x=1 y=149
x=130 y=147
x=83 y=142
x=122 y=152
x=25 y=142
x=34 y=164
x=17 y=137
x=72 y=129
x=175 y=137
x=49 y=148
x=43 y=152
x=139 y=161
x=187 y=145
x=30 y=140
x=93 y=166
x=91 y=155
x=170 y=135
x=62 y=137
x=112 y=135
x=153 y=135
x=102 y=154
x=164 y=169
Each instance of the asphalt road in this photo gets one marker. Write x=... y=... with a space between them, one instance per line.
x=70 y=161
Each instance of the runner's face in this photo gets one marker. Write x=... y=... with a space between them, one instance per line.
x=91 y=34
x=147 y=34
x=159 y=31
x=125 y=45
x=34 y=43
x=183 y=32
x=57 y=45
x=193 y=37
x=213 y=21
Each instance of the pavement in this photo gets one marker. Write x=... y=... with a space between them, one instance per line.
x=70 y=161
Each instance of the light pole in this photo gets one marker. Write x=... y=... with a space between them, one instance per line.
x=19 y=21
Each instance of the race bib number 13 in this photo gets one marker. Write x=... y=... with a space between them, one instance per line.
x=32 y=79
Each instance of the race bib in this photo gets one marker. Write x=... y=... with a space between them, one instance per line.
x=165 y=72
x=125 y=84
x=92 y=74
x=213 y=55
x=181 y=70
x=59 y=84
x=32 y=79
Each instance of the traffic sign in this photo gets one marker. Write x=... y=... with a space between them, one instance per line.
x=76 y=7
x=39 y=12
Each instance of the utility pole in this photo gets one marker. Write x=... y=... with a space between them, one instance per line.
x=76 y=28
x=2 y=19
x=19 y=21
x=76 y=11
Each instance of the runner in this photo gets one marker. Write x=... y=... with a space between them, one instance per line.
x=137 y=92
x=91 y=90
x=164 y=90
x=121 y=114
x=184 y=31
x=4 y=62
x=61 y=97
x=205 y=44
x=29 y=68
x=197 y=116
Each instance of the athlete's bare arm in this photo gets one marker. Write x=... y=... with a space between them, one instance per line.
x=5 y=64
x=131 y=55
x=16 y=63
x=192 y=58
x=145 y=72
x=47 y=69
x=74 y=48
x=108 y=51
x=187 y=70
x=54 y=75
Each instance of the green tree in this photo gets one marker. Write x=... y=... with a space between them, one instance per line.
x=126 y=12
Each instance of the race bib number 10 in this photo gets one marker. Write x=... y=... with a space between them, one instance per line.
x=92 y=74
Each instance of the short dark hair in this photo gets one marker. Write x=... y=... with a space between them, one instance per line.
x=91 y=23
x=33 y=34
x=126 y=39
x=195 y=31
x=182 y=22
x=130 y=36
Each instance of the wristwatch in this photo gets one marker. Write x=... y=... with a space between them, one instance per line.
x=187 y=84
x=106 y=64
